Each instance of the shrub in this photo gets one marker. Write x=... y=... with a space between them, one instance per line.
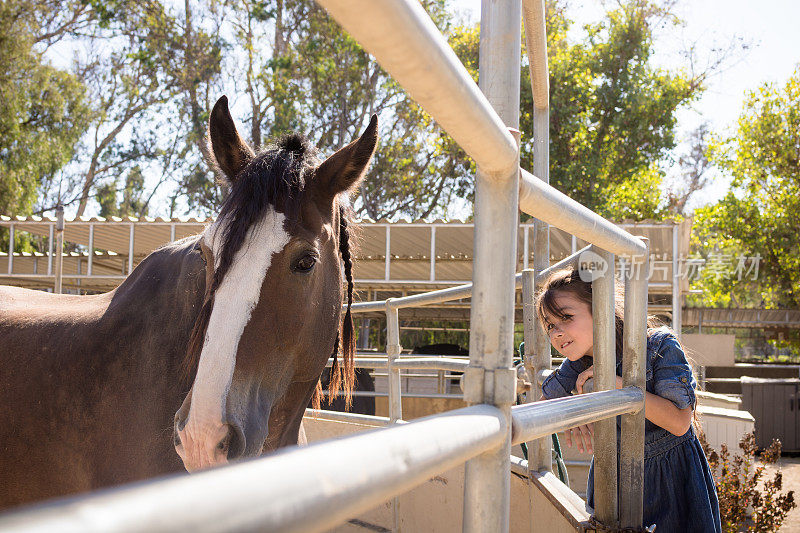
x=746 y=504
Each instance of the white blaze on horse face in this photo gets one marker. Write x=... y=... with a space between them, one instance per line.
x=234 y=302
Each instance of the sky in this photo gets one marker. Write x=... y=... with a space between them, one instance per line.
x=770 y=27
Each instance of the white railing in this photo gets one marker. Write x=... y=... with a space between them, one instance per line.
x=316 y=487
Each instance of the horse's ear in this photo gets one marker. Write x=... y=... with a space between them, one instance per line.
x=343 y=170
x=231 y=152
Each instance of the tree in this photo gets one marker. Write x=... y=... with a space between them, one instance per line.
x=695 y=165
x=44 y=110
x=612 y=113
x=760 y=216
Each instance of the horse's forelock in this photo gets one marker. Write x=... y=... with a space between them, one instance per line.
x=274 y=179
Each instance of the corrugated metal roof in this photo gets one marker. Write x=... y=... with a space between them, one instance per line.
x=409 y=250
x=742 y=318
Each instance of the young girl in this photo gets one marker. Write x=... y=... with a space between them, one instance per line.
x=679 y=491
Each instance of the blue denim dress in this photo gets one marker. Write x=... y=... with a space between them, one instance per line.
x=679 y=494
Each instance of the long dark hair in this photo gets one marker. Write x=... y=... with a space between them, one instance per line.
x=569 y=281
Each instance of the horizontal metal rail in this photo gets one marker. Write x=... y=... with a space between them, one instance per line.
x=453 y=293
x=373 y=394
x=554 y=207
x=418 y=56
x=352 y=418
x=411 y=363
x=536 y=420
x=310 y=488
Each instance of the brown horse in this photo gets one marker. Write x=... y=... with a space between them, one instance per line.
x=93 y=389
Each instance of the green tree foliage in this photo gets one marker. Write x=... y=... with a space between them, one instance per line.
x=760 y=216
x=43 y=110
x=150 y=71
x=132 y=191
x=613 y=114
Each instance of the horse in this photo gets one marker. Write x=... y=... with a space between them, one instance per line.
x=210 y=349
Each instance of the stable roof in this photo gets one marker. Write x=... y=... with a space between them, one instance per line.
x=400 y=256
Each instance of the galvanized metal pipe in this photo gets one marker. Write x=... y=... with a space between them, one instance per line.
x=456 y=293
x=411 y=363
x=536 y=38
x=605 y=363
x=130 y=248
x=677 y=324
x=554 y=207
x=418 y=56
x=90 y=260
x=10 y=248
x=533 y=15
x=491 y=378
x=393 y=350
x=59 y=249
x=539 y=450
x=315 y=493
x=352 y=418
x=634 y=364
x=51 y=230
x=535 y=420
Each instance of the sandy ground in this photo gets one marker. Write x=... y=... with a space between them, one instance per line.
x=790 y=466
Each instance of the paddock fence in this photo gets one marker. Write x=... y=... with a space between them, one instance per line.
x=316 y=487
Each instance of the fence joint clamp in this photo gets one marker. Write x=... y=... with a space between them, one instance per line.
x=497 y=386
x=505 y=386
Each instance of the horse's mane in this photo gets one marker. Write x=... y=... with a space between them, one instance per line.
x=275 y=178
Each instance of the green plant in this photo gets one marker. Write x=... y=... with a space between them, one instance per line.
x=745 y=503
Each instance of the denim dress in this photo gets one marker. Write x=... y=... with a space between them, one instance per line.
x=679 y=490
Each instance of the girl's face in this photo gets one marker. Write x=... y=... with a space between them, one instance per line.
x=572 y=335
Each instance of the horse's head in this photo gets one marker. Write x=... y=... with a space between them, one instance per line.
x=273 y=303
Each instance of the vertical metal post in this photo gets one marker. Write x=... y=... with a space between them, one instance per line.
x=490 y=377
x=91 y=250
x=525 y=247
x=50 y=250
x=574 y=244
x=676 y=285
x=386 y=266
x=10 y=248
x=393 y=350
x=130 y=250
x=604 y=355
x=634 y=352
x=433 y=253
x=538 y=346
x=59 y=248
x=539 y=451
x=172 y=232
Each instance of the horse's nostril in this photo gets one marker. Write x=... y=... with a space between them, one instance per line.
x=236 y=442
x=176 y=439
x=180 y=423
x=222 y=446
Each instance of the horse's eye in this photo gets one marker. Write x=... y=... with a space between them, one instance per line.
x=305 y=263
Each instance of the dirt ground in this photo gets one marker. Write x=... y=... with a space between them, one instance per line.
x=790 y=466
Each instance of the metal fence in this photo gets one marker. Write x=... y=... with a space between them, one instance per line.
x=302 y=489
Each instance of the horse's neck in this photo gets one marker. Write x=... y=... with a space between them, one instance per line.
x=164 y=291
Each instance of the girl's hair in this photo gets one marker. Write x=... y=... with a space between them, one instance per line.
x=569 y=281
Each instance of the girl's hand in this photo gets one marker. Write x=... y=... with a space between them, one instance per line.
x=583 y=437
x=589 y=373
x=582 y=377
